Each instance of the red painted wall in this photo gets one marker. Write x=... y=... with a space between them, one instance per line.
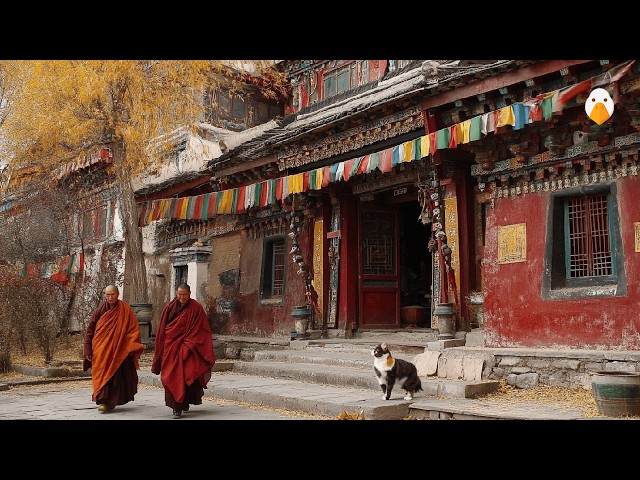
x=251 y=318
x=515 y=313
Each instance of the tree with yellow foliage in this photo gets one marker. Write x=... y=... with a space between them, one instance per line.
x=60 y=110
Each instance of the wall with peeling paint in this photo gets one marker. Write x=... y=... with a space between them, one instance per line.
x=517 y=315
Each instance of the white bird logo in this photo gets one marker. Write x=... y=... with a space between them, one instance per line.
x=599 y=106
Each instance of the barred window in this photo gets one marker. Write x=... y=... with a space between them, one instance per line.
x=273 y=269
x=588 y=238
x=583 y=242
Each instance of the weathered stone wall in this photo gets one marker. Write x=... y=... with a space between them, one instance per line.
x=524 y=368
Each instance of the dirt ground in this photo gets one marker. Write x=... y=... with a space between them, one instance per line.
x=70 y=348
x=67 y=349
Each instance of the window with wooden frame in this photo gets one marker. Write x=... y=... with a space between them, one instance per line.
x=339 y=80
x=226 y=110
x=398 y=64
x=222 y=107
x=232 y=106
x=96 y=224
x=266 y=111
x=587 y=241
x=584 y=242
x=272 y=282
x=181 y=275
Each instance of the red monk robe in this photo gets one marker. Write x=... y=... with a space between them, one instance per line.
x=184 y=354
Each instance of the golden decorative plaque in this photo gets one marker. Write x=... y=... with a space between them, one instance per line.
x=512 y=243
x=636 y=231
x=451 y=229
x=317 y=262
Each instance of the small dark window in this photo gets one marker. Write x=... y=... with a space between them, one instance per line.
x=182 y=272
x=273 y=270
x=95 y=224
x=238 y=109
x=265 y=112
x=88 y=231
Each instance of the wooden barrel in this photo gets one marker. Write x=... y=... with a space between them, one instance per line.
x=617 y=394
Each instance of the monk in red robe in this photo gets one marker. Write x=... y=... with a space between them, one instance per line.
x=112 y=349
x=184 y=354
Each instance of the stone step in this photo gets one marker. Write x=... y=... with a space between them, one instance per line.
x=452 y=377
x=425 y=408
x=350 y=369
x=339 y=358
x=314 y=398
x=362 y=346
x=311 y=373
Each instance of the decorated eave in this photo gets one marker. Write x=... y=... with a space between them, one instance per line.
x=311 y=118
x=274 y=192
x=101 y=155
x=180 y=183
x=434 y=76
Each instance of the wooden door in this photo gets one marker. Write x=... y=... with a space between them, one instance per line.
x=379 y=272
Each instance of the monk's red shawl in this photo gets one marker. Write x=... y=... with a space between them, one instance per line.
x=184 y=347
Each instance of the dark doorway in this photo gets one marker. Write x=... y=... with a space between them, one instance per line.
x=416 y=261
x=182 y=273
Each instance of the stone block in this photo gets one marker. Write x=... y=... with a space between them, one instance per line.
x=427 y=363
x=472 y=369
x=475 y=338
x=454 y=368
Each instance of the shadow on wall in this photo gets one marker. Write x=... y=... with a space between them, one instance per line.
x=220 y=309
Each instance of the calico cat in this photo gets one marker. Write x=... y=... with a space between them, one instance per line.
x=390 y=371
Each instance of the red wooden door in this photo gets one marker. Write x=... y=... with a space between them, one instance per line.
x=379 y=273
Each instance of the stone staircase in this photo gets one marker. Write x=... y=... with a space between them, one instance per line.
x=330 y=376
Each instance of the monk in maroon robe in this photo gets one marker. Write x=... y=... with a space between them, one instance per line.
x=112 y=349
x=184 y=354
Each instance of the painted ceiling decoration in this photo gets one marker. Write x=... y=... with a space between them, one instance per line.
x=273 y=191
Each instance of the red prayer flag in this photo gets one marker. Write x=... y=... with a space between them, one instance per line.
x=212 y=205
x=326 y=175
x=433 y=142
x=346 y=174
x=364 y=164
x=263 y=194
x=453 y=136
x=241 y=195
x=197 y=207
x=610 y=76
x=305 y=181
x=386 y=157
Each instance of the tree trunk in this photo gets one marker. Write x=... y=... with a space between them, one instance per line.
x=134 y=256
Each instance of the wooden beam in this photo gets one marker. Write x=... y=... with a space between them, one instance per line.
x=174 y=190
x=246 y=165
x=497 y=82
